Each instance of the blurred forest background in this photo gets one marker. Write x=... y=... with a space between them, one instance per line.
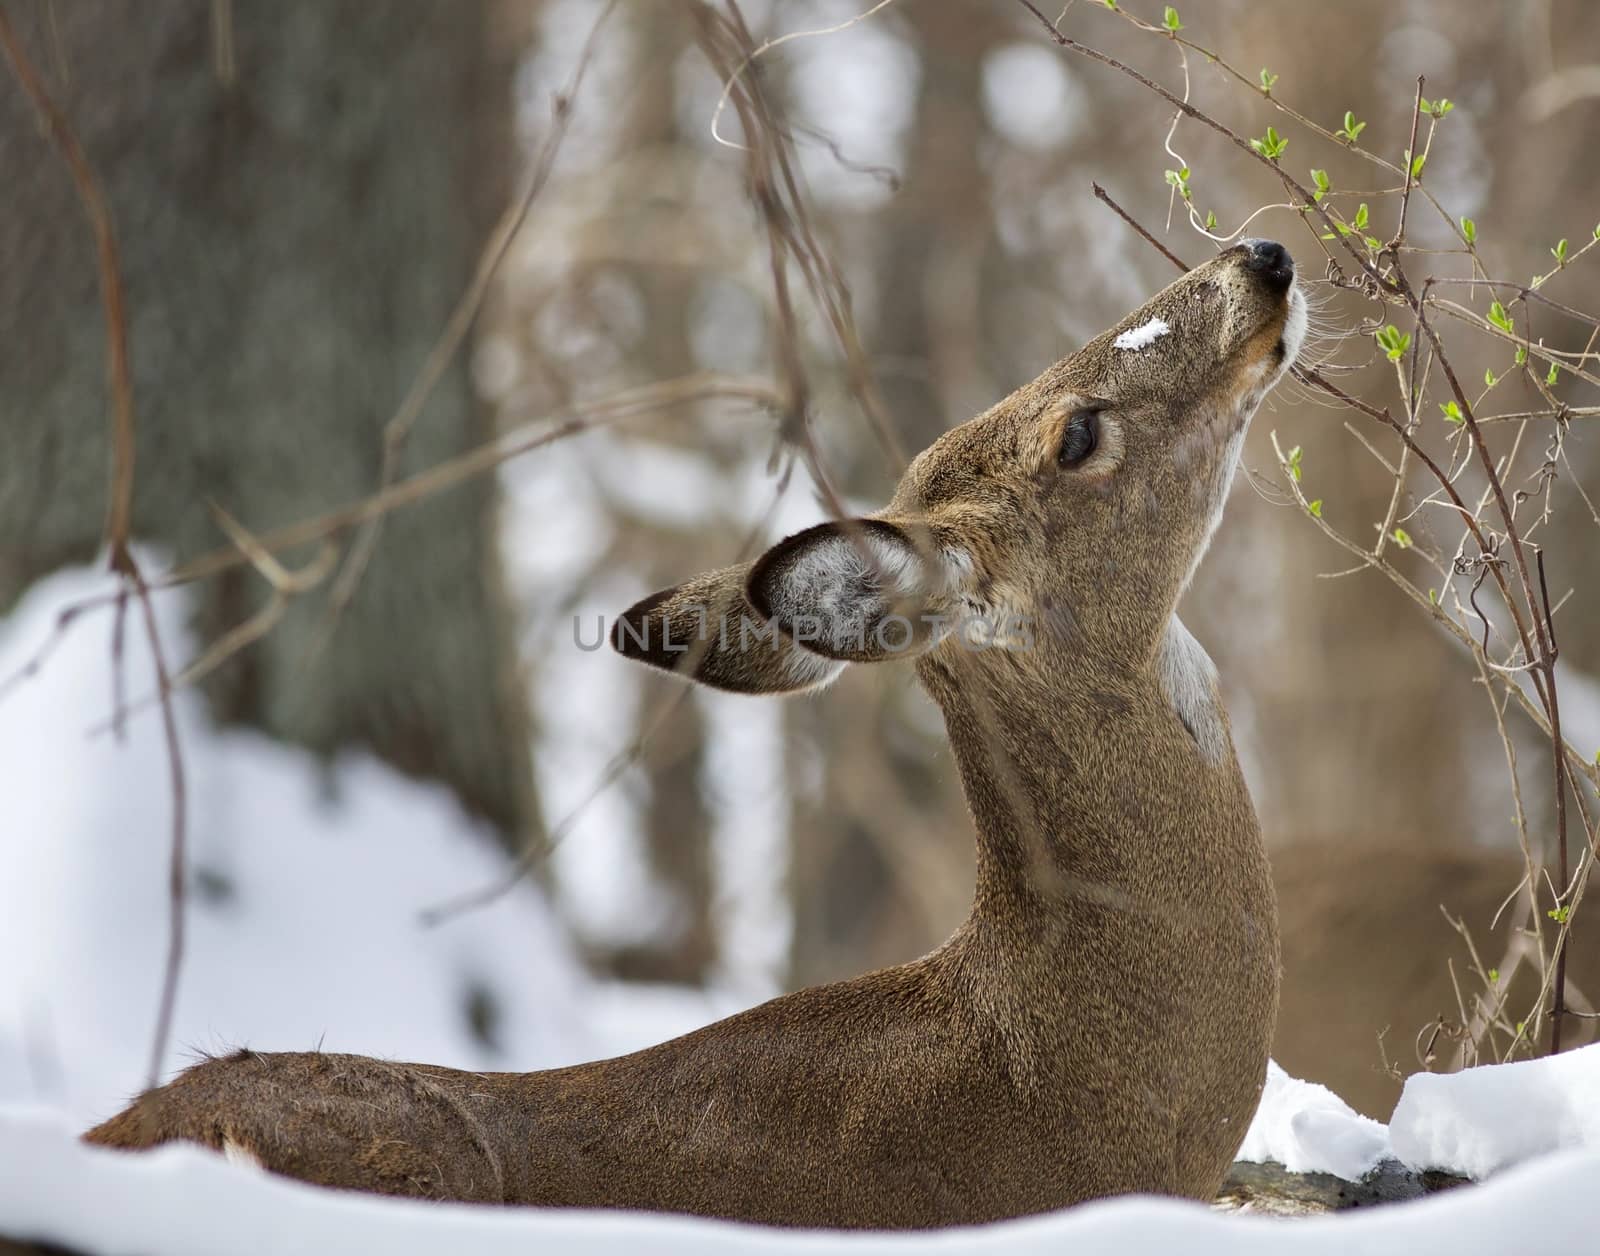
x=301 y=192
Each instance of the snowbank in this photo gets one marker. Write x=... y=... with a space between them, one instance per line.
x=182 y=1201
x=307 y=885
x=1479 y=1121
x=303 y=927
x=1308 y=1129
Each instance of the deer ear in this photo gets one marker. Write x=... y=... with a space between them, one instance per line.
x=706 y=630
x=860 y=590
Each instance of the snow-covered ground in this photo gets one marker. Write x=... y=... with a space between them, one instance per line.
x=1308 y=1129
x=1540 y=1117
x=303 y=921
x=303 y=928
x=182 y=1200
x=1481 y=1121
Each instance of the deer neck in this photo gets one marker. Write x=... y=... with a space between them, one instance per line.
x=1094 y=786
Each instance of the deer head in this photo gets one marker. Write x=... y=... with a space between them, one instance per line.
x=1071 y=515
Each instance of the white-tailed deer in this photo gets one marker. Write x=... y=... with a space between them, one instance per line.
x=1100 y=1023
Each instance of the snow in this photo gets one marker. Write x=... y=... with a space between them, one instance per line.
x=304 y=928
x=303 y=923
x=1309 y=1129
x=1137 y=338
x=1479 y=1121
x=182 y=1201
x=179 y=1200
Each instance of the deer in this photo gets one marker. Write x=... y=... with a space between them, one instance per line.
x=1100 y=1022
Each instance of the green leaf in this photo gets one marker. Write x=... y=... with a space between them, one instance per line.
x=1559 y=914
x=1292 y=460
x=1433 y=596
x=1392 y=341
x=1416 y=165
x=1402 y=538
x=1211 y=220
x=1494 y=975
x=1522 y=355
x=1110 y=4
x=1271 y=145
x=1437 y=108
x=1597 y=231
x=1452 y=412
x=1560 y=252
x=1359 y=222
x=1555 y=371
x=1315 y=508
x=1499 y=317
x=1469 y=230
x=1170 y=19
x=1320 y=179
x=1489 y=377
x=1179 y=179
x=1267 y=80
x=1351 y=131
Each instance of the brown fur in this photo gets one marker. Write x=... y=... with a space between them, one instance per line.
x=1099 y=1024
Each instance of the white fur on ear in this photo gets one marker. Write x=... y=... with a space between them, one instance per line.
x=838 y=589
x=811 y=671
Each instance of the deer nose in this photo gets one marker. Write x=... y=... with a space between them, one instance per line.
x=1271 y=261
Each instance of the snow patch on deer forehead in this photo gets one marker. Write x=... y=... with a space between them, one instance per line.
x=1142 y=337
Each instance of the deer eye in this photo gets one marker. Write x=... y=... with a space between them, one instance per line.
x=1080 y=439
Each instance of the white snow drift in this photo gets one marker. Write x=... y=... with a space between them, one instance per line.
x=1477 y=1122
x=182 y=1201
x=304 y=922
x=1309 y=1129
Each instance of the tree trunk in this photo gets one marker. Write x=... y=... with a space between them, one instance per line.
x=875 y=855
x=299 y=192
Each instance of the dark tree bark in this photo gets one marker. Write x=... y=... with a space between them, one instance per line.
x=293 y=238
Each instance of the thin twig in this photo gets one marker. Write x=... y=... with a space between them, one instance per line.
x=119 y=509
x=1558 y=1004
x=398 y=429
x=1411 y=171
x=178 y=857
x=1128 y=218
